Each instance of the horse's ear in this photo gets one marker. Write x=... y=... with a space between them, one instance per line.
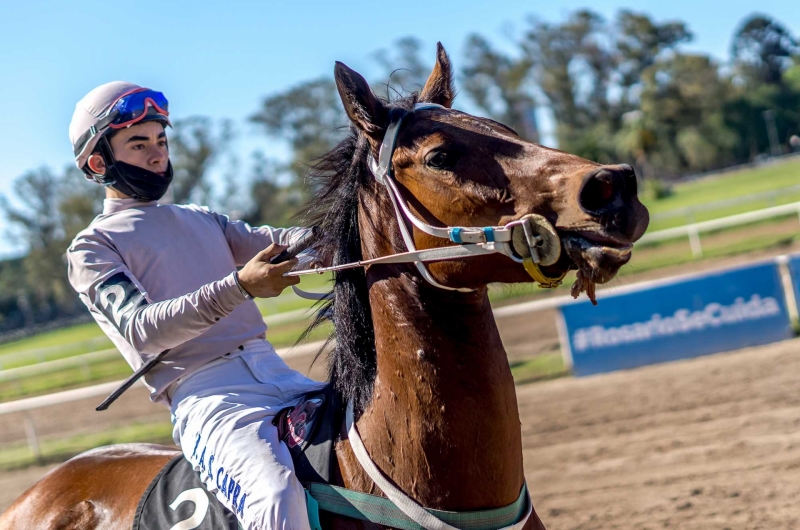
x=365 y=110
x=439 y=88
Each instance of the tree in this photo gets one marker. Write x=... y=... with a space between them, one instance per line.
x=53 y=209
x=762 y=49
x=550 y=51
x=765 y=56
x=404 y=71
x=271 y=203
x=683 y=98
x=309 y=116
x=638 y=139
x=37 y=217
x=500 y=86
x=639 y=42
x=195 y=145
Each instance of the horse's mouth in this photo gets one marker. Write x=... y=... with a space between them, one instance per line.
x=597 y=256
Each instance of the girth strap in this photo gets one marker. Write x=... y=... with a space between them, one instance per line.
x=382 y=511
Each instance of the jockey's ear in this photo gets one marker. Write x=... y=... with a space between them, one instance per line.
x=365 y=110
x=439 y=88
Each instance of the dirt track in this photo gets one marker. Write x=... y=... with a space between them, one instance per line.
x=708 y=443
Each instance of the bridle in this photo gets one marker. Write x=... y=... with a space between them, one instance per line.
x=531 y=240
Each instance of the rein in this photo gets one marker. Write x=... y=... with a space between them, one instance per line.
x=531 y=241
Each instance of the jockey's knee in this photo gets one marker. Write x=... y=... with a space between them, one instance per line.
x=281 y=510
x=281 y=505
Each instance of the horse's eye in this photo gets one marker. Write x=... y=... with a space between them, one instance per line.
x=440 y=160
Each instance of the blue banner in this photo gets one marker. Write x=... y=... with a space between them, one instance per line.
x=708 y=314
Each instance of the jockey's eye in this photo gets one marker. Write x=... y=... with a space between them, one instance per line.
x=440 y=160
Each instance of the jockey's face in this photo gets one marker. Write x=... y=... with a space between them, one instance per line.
x=143 y=145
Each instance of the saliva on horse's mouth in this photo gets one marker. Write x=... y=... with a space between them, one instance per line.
x=596 y=261
x=599 y=261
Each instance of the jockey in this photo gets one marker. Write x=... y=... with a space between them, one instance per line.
x=162 y=276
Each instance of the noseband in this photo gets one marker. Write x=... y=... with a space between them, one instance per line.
x=531 y=240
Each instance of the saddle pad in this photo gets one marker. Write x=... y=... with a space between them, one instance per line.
x=177 y=499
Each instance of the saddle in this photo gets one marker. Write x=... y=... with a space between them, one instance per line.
x=308 y=429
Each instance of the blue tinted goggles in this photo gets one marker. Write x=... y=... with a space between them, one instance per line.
x=129 y=109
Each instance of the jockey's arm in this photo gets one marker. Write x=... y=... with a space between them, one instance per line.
x=108 y=287
x=246 y=241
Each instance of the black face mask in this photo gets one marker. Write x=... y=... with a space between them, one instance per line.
x=131 y=180
x=139 y=183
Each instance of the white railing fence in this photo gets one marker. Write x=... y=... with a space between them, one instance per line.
x=693 y=231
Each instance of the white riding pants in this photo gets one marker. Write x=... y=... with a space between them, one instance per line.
x=222 y=416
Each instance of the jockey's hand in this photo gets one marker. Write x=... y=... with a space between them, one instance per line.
x=262 y=279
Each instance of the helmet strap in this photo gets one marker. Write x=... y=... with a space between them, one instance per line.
x=104 y=147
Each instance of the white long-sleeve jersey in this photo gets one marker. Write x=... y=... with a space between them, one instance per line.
x=157 y=277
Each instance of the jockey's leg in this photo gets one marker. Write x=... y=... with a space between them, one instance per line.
x=223 y=423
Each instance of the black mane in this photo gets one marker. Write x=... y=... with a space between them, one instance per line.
x=338 y=178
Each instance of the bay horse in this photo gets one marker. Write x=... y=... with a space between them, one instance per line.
x=417 y=355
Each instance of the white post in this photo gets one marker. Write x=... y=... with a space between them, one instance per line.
x=30 y=434
x=788 y=287
x=563 y=338
x=86 y=372
x=694 y=241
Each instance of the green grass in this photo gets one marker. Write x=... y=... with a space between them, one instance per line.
x=281 y=336
x=25 y=358
x=661 y=254
x=57 y=449
x=286 y=335
x=54 y=344
x=698 y=194
x=539 y=368
x=729 y=186
x=59 y=337
x=717 y=213
x=65 y=379
x=288 y=301
x=715 y=245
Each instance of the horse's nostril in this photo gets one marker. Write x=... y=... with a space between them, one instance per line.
x=598 y=191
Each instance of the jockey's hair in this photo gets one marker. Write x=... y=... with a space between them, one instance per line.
x=338 y=178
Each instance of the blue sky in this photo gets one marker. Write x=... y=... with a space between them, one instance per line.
x=220 y=59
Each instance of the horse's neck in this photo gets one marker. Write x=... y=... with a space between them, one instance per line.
x=443 y=421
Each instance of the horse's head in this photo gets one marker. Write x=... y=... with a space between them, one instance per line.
x=454 y=169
